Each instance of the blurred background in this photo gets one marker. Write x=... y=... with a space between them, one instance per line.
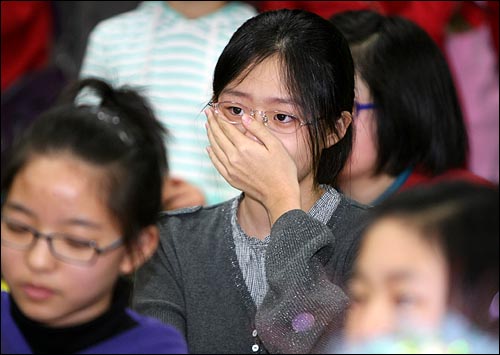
x=44 y=42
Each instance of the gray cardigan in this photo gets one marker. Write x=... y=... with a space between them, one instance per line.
x=194 y=281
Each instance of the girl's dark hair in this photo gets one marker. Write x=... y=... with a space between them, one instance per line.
x=462 y=218
x=121 y=135
x=317 y=68
x=419 y=121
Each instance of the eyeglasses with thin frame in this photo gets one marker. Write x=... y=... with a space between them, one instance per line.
x=358 y=107
x=278 y=121
x=64 y=247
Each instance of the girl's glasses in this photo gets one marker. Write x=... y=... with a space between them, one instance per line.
x=278 y=121
x=64 y=247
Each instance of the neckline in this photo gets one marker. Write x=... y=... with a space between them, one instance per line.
x=396 y=184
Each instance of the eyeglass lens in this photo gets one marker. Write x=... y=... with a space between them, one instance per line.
x=281 y=122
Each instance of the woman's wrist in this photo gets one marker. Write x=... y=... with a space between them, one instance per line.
x=281 y=205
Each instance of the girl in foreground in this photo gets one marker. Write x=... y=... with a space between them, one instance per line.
x=81 y=192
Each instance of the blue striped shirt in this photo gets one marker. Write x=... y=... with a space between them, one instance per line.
x=171 y=59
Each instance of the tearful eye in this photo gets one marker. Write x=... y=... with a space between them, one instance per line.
x=235 y=110
x=284 y=118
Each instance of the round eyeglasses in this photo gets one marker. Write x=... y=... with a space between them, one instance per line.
x=278 y=121
x=66 y=248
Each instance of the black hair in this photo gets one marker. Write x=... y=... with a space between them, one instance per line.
x=462 y=219
x=121 y=135
x=316 y=66
x=418 y=117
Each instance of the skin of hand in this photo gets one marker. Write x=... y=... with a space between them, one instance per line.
x=178 y=193
x=255 y=162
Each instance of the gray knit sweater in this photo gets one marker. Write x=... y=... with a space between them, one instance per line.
x=194 y=281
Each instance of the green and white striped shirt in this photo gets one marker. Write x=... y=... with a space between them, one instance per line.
x=171 y=59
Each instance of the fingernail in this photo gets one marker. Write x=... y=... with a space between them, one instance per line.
x=247 y=119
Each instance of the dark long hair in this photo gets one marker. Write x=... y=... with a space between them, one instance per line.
x=418 y=117
x=317 y=69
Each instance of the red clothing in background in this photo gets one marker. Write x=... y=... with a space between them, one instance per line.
x=26 y=38
x=433 y=16
x=419 y=178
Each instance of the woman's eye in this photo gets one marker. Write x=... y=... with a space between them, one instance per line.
x=357 y=298
x=404 y=300
x=284 y=118
x=75 y=243
x=17 y=228
x=235 y=110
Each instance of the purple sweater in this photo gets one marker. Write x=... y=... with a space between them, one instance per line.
x=148 y=337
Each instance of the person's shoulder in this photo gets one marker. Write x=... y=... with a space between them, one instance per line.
x=419 y=177
x=354 y=206
x=465 y=175
x=190 y=212
x=193 y=219
x=149 y=336
x=5 y=299
x=349 y=215
x=196 y=228
x=160 y=335
x=181 y=211
x=152 y=325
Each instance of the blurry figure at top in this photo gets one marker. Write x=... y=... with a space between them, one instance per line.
x=31 y=80
x=471 y=49
x=426 y=277
x=169 y=49
x=21 y=21
x=409 y=128
x=433 y=16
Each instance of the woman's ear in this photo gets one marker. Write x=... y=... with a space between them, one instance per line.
x=143 y=249
x=343 y=123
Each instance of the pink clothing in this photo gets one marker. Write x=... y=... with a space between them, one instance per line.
x=474 y=65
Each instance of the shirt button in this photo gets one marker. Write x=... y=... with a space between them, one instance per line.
x=255 y=348
x=254 y=333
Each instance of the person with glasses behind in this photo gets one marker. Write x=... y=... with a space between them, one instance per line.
x=81 y=190
x=409 y=129
x=264 y=271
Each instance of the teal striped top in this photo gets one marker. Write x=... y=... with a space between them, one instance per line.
x=171 y=59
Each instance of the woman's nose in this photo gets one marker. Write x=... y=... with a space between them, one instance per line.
x=39 y=255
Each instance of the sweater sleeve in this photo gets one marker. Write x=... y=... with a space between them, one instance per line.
x=158 y=291
x=302 y=300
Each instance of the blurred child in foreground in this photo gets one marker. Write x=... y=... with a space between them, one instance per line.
x=426 y=277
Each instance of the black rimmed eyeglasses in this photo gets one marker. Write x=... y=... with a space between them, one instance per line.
x=64 y=247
